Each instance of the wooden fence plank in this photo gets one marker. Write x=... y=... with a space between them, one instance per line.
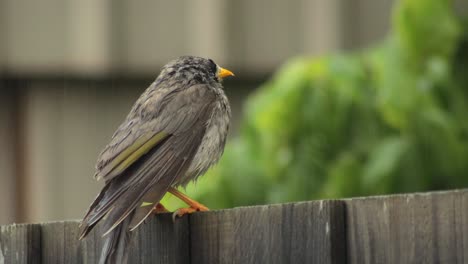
x=308 y=232
x=20 y=244
x=157 y=241
x=411 y=228
x=161 y=241
x=60 y=244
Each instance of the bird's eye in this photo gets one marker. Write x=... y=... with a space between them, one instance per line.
x=213 y=67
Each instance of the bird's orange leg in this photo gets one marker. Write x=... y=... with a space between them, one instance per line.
x=159 y=209
x=194 y=205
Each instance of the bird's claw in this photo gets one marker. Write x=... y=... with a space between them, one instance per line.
x=183 y=211
x=159 y=209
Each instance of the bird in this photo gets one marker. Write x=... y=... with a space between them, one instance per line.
x=174 y=133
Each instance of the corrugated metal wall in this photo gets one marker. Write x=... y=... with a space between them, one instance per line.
x=139 y=36
x=7 y=157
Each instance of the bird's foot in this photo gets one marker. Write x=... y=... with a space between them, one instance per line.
x=159 y=209
x=193 y=208
x=192 y=203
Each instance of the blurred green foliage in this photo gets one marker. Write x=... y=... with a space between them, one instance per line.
x=393 y=118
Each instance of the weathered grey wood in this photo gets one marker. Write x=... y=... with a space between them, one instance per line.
x=410 y=228
x=307 y=232
x=20 y=244
x=161 y=241
x=60 y=243
x=157 y=241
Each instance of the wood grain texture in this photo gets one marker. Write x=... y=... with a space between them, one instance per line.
x=412 y=228
x=161 y=241
x=20 y=244
x=308 y=232
x=60 y=244
x=157 y=241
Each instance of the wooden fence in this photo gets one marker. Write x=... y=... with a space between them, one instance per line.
x=410 y=228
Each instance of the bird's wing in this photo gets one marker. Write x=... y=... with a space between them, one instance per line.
x=133 y=151
x=183 y=121
x=135 y=136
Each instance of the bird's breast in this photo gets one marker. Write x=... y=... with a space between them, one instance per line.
x=213 y=142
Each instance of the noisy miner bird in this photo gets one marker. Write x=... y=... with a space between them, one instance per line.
x=175 y=131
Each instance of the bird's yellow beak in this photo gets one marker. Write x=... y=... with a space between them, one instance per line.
x=224 y=73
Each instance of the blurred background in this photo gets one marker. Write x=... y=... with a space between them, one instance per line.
x=331 y=98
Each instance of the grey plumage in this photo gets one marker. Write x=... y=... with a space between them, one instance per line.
x=175 y=131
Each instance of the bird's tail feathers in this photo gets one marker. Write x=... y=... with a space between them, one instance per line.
x=116 y=244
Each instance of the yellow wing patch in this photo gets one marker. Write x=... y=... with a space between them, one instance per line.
x=127 y=157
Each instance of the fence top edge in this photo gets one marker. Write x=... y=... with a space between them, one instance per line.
x=277 y=205
x=405 y=195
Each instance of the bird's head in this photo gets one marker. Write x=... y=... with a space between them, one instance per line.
x=195 y=70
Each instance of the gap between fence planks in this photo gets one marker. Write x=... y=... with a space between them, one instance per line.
x=409 y=228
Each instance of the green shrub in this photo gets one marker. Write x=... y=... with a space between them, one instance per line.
x=393 y=118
